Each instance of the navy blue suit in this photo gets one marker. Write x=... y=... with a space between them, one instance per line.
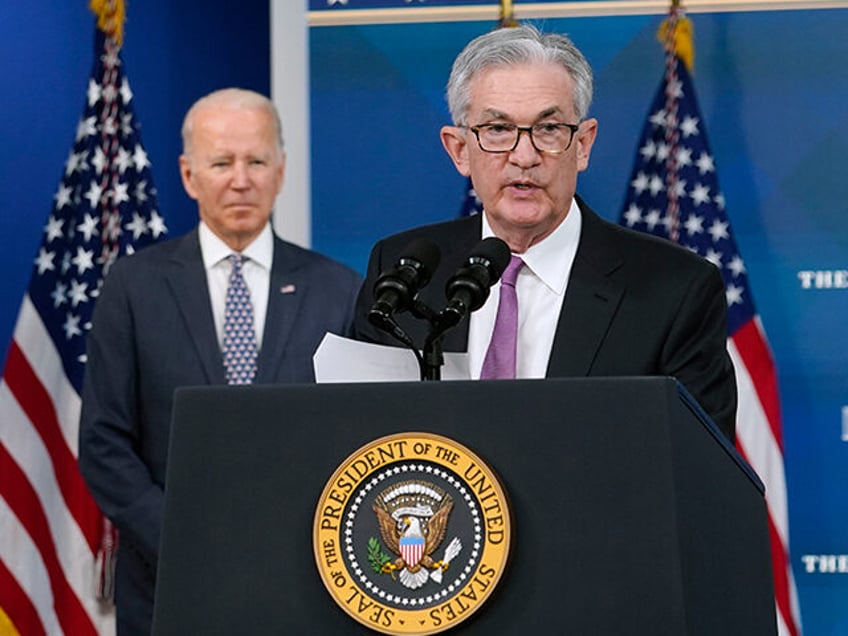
x=152 y=332
x=635 y=305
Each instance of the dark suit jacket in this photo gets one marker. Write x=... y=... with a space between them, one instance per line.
x=152 y=332
x=634 y=305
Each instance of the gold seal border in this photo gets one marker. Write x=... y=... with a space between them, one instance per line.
x=328 y=547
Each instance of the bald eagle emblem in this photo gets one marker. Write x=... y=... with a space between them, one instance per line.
x=413 y=520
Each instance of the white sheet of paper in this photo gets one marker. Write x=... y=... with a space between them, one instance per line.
x=344 y=360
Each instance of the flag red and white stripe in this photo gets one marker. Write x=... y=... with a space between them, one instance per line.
x=52 y=536
x=759 y=439
x=674 y=193
x=50 y=526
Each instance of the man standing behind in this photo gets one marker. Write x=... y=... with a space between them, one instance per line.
x=593 y=299
x=228 y=303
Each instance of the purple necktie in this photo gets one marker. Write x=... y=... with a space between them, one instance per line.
x=239 y=332
x=500 y=357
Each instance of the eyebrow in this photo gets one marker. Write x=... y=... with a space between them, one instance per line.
x=231 y=156
x=496 y=114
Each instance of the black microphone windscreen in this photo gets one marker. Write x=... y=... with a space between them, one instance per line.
x=494 y=250
x=425 y=252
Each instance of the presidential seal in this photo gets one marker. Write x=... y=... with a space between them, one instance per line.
x=412 y=534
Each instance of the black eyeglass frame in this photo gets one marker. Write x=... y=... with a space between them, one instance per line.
x=529 y=130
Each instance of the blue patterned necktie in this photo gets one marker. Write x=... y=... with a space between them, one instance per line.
x=239 y=332
x=499 y=362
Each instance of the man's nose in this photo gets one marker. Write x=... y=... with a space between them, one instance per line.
x=241 y=177
x=525 y=152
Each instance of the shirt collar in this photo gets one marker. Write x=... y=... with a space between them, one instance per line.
x=551 y=259
x=214 y=250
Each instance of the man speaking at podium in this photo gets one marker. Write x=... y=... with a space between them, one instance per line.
x=580 y=296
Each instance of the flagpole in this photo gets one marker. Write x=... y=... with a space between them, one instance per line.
x=507 y=17
x=110 y=18
x=672 y=133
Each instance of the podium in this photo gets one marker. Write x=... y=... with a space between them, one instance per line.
x=631 y=513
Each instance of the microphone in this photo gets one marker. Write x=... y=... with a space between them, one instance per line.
x=468 y=289
x=396 y=288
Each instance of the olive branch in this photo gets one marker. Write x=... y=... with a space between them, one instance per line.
x=376 y=557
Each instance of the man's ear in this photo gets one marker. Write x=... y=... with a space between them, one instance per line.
x=185 y=173
x=585 y=139
x=456 y=145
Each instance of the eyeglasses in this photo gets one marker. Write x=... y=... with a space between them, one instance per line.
x=552 y=138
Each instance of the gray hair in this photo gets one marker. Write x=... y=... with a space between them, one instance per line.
x=517 y=45
x=234 y=98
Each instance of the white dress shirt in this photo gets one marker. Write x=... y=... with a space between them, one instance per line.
x=256 y=269
x=540 y=288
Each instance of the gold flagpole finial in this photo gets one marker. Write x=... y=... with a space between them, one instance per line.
x=682 y=40
x=110 y=17
x=507 y=18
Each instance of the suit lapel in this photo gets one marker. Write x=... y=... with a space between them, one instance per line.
x=187 y=280
x=590 y=302
x=285 y=296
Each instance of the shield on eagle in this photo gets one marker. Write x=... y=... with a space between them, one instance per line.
x=412 y=549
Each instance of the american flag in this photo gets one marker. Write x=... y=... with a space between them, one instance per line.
x=471 y=203
x=674 y=193
x=51 y=533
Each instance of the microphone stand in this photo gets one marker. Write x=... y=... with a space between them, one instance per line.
x=432 y=358
x=387 y=324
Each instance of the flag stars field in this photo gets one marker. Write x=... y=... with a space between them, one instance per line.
x=694 y=224
x=44 y=260
x=88 y=227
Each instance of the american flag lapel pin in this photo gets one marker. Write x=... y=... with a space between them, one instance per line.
x=288 y=289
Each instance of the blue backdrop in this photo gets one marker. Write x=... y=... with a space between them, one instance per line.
x=772 y=87
x=773 y=90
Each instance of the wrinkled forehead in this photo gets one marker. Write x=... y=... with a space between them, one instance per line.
x=217 y=128
x=527 y=91
x=227 y=118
